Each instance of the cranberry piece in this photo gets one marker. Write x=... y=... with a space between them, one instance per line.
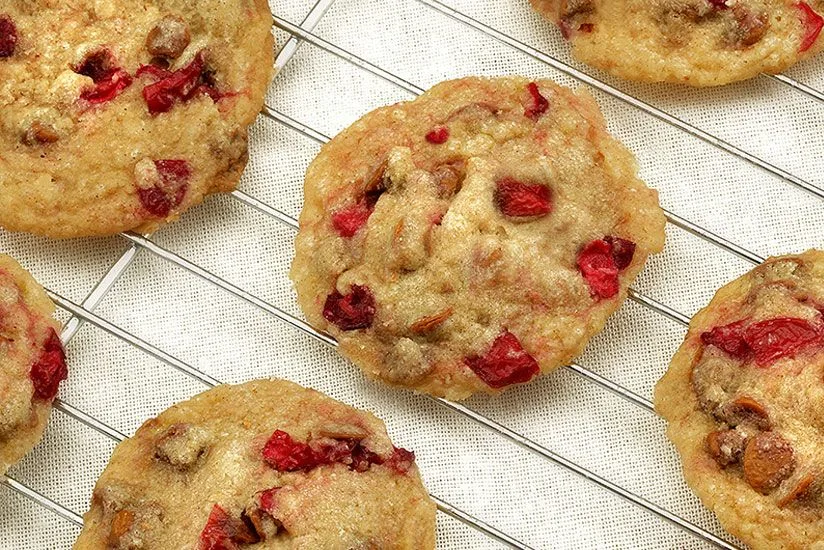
x=49 y=369
x=180 y=85
x=154 y=71
x=159 y=199
x=813 y=23
x=401 y=460
x=729 y=338
x=505 y=363
x=775 y=339
x=597 y=265
x=268 y=500
x=539 y=103
x=223 y=532
x=718 y=4
x=353 y=311
x=8 y=36
x=285 y=454
x=349 y=220
x=518 y=199
x=623 y=251
x=109 y=79
x=109 y=88
x=438 y=135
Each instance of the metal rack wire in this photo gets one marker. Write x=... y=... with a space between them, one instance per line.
x=85 y=311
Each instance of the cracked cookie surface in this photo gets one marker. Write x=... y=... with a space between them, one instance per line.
x=32 y=362
x=120 y=115
x=474 y=237
x=694 y=42
x=744 y=398
x=265 y=464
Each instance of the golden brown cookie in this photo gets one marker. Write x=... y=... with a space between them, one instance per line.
x=32 y=362
x=265 y=464
x=744 y=398
x=121 y=115
x=469 y=239
x=695 y=42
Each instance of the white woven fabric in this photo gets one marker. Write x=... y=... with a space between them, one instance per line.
x=530 y=498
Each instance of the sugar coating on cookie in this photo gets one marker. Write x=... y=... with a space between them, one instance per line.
x=474 y=237
x=121 y=115
x=694 y=42
x=744 y=398
x=265 y=464
x=32 y=362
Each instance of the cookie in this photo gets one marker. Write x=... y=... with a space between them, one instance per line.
x=744 y=398
x=695 y=42
x=32 y=362
x=474 y=237
x=265 y=464
x=120 y=115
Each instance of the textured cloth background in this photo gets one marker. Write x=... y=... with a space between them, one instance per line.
x=527 y=497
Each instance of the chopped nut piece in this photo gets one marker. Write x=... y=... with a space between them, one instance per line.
x=182 y=445
x=725 y=446
x=798 y=492
x=121 y=523
x=169 y=38
x=39 y=133
x=749 y=27
x=768 y=460
x=430 y=323
x=745 y=410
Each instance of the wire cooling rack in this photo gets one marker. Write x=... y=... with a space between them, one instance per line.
x=576 y=459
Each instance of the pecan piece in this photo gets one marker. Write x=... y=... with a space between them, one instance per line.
x=725 y=446
x=749 y=27
x=431 y=322
x=768 y=460
x=799 y=492
x=746 y=410
x=169 y=37
x=121 y=524
x=39 y=133
x=449 y=177
x=182 y=445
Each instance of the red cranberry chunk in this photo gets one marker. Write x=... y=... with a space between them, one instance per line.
x=775 y=339
x=597 y=266
x=353 y=311
x=623 y=251
x=160 y=199
x=719 y=4
x=154 y=71
x=284 y=454
x=729 y=338
x=813 y=24
x=180 y=85
x=108 y=88
x=438 y=135
x=505 y=363
x=518 y=199
x=109 y=79
x=539 y=105
x=268 y=500
x=50 y=368
x=8 y=36
x=401 y=460
x=223 y=532
x=348 y=221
